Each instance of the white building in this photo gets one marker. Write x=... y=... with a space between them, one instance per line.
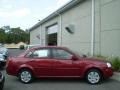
x=85 y=26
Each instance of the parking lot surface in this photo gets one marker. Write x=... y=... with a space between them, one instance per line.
x=12 y=83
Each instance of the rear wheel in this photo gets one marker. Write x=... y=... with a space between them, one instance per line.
x=93 y=76
x=25 y=76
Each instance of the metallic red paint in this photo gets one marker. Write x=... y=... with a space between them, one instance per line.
x=51 y=67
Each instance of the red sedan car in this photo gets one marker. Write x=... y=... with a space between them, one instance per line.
x=57 y=62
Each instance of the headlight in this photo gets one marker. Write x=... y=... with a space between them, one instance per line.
x=109 y=65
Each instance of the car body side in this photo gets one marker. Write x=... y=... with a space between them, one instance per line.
x=57 y=68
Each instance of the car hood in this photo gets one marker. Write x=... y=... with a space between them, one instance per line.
x=94 y=61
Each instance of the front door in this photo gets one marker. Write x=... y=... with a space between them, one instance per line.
x=63 y=65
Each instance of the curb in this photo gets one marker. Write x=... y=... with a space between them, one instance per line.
x=116 y=76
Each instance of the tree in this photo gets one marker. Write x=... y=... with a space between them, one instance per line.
x=2 y=36
x=14 y=35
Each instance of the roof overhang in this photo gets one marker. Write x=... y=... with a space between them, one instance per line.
x=64 y=8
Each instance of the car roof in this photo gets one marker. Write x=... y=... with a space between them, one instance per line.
x=57 y=47
x=46 y=47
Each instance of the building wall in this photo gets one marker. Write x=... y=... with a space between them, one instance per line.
x=107 y=28
x=80 y=17
x=34 y=36
x=110 y=27
x=44 y=30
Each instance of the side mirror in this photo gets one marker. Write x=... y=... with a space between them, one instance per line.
x=74 y=58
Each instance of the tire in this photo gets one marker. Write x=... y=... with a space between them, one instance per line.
x=25 y=76
x=93 y=76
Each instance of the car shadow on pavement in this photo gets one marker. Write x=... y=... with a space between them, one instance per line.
x=59 y=80
x=70 y=80
x=62 y=80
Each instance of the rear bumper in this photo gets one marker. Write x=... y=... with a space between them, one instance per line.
x=10 y=72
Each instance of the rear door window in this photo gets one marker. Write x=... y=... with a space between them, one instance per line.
x=39 y=53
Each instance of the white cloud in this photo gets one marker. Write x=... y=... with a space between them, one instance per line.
x=3 y=1
x=13 y=12
x=61 y=2
x=17 y=13
x=8 y=6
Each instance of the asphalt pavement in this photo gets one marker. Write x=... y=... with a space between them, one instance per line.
x=14 y=52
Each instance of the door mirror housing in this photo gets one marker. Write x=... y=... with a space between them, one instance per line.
x=74 y=58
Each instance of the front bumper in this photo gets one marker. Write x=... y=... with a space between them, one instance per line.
x=108 y=72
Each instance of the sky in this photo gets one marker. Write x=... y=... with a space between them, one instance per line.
x=26 y=13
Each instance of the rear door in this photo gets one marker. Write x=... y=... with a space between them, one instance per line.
x=41 y=62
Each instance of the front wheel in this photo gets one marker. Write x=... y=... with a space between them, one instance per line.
x=93 y=76
x=25 y=76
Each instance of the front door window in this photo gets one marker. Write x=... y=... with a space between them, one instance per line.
x=61 y=54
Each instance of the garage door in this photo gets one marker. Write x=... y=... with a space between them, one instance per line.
x=52 y=32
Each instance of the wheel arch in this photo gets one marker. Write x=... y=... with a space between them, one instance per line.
x=25 y=67
x=96 y=68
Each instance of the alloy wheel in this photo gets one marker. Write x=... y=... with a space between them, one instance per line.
x=93 y=76
x=25 y=76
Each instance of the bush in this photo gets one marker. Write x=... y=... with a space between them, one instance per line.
x=115 y=63
x=100 y=57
